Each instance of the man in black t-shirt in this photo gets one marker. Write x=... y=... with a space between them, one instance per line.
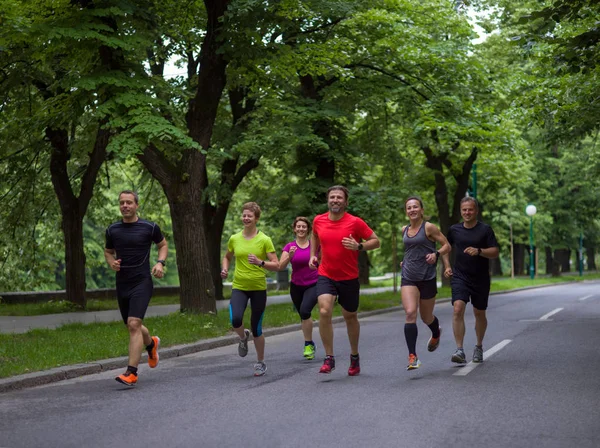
x=475 y=243
x=127 y=251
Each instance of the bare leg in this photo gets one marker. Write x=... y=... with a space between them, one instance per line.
x=480 y=324
x=138 y=337
x=307 y=329
x=326 y=302
x=353 y=328
x=426 y=310
x=458 y=323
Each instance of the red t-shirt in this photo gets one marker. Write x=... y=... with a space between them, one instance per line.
x=337 y=262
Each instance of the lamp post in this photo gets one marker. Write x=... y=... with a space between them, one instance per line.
x=531 y=210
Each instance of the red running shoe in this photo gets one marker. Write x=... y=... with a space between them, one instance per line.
x=328 y=365
x=354 y=368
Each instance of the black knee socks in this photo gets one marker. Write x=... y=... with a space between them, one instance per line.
x=410 y=333
x=435 y=327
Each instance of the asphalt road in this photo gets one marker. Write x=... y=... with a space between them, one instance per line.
x=540 y=388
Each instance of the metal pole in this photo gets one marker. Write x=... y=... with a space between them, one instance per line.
x=581 y=254
x=512 y=254
x=531 y=264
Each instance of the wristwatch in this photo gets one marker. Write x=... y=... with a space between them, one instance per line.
x=437 y=254
x=262 y=264
x=479 y=251
x=360 y=246
x=163 y=262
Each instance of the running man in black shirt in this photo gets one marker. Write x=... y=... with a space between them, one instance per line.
x=474 y=243
x=128 y=244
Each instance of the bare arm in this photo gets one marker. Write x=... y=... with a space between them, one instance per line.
x=315 y=245
x=225 y=264
x=109 y=256
x=284 y=260
x=271 y=265
x=163 y=250
x=434 y=233
x=372 y=242
x=488 y=252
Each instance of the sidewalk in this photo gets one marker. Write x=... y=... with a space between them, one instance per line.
x=22 y=324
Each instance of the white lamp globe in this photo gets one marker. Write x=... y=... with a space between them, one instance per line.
x=531 y=210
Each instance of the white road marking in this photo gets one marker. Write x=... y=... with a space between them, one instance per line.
x=551 y=313
x=586 y=297
x=471 y=366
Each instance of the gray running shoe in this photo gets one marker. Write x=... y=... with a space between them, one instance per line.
x=260 y=368
x=243 y=346
x=478 y=354
x=459 y=356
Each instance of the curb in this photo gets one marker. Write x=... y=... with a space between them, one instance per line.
x=77 y=370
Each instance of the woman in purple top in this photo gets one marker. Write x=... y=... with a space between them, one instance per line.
x=304 y=279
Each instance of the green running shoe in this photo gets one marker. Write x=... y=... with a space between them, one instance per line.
x=309 y=351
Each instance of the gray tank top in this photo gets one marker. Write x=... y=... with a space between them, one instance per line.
x=414 y=266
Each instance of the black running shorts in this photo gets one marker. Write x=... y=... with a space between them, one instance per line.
x=427 y=288
x=478 y=295
x=134 y=298
x=347 y=291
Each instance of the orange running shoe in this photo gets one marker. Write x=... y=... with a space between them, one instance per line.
x=413 y=362
x=153 y=354
x=434 y=343
x=127 y=378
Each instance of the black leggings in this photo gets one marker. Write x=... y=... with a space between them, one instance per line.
x=238 y=304
x=304 y=298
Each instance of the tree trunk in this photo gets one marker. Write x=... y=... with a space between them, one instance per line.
x=74 y=208
x=563 y=256
x=520 y=258
x=72 y=227
x=197 y=291
x=364 y=266
x=184 y=178
x=549 y=259
x=495 y=267
x=448 y=214
x=590 y=252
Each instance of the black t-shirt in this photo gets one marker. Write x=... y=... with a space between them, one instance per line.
x=473 y=269
x=132 y=243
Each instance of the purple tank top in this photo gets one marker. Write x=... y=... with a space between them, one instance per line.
x=302 y=275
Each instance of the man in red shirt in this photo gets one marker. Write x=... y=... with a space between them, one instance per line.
x=338 y=235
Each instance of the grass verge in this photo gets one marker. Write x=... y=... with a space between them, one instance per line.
x=64 y=306
x=78 y=343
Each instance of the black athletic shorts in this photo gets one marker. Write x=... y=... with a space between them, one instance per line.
x=347 y=291
x=427 y=288
x=478 y=294
x=134 y=298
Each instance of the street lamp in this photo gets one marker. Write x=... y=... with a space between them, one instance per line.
x=531 y=210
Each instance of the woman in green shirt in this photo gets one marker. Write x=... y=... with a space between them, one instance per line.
x=254 y=252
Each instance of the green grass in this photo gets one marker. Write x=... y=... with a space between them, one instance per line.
x=78 y=343
x=63 y=306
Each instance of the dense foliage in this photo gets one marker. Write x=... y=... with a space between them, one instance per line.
x=203 y=105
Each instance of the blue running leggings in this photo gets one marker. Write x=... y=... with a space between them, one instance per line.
x=237 y=307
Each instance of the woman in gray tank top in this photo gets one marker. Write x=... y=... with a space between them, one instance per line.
x=418 y=287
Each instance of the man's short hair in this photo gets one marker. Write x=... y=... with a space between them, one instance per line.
x=470 y=199
x=135 y=195
x=253 y=207
x=338 y=187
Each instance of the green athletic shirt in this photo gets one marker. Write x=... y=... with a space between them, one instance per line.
x=249 y=277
